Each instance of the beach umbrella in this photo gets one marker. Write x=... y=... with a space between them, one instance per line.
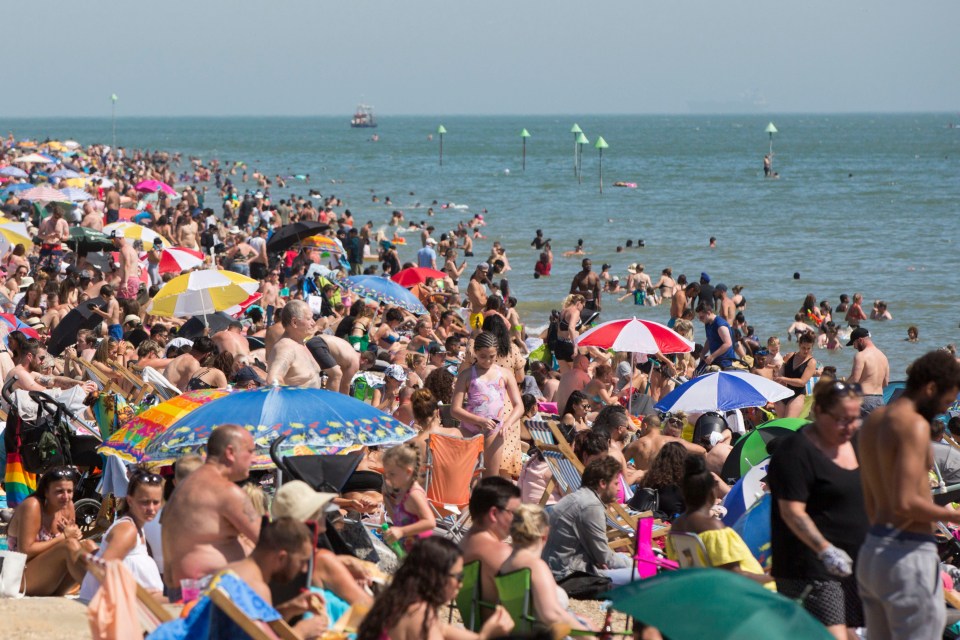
x=723 y=391
x=325 y=244
x=752 y=447
x=237 y=310
x=416 y=275
x=84 y=239
x=71 y=144
x=290 y=234
x=754 y=528
x=16 y=324
x=210 y=323
x=152 y=186
x=128 y=442
x=383 y=290
x=106 y=183
x=745 y=492
x=13 y=172
x=134 y=231
x=33 y=158
x=600 y=146
x=65 y=173
x=76 y=195
x=202 y=292
x=80 y=317
x=12 y=234
x=17 y=188
x=636 y=336
x=180 y=259
x=727 y=606
x=43 y=193
x=311 y=419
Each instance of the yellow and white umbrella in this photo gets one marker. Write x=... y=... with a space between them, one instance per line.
x=12 y=234
x=133 y=231
x=202 y=292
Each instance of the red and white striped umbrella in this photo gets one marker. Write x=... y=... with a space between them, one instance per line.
x=180 y=260
x=43 y=193
x=635 y=336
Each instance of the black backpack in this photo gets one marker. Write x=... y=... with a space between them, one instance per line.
x=553 y=330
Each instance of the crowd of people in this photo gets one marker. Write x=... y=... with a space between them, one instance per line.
x=842 y=516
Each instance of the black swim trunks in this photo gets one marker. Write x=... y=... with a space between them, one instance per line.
x=563 y=350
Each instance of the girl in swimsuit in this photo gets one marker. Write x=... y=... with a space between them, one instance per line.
x=404 y=498
x=43 y=527
x=796 y=371
x=479 y=397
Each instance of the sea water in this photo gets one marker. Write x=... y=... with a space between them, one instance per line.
x=864 y=203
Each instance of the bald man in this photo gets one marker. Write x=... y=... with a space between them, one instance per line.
x=289 y=362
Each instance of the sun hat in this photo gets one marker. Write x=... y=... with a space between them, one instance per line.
x=135 y=319
x=396 y=372
x=297 y=500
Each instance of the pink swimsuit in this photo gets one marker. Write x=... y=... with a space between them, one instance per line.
x=485 y=399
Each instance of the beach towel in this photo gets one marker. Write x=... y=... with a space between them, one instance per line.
x=112 y=613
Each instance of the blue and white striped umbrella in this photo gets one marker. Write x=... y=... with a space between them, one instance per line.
x=13 y=172
x=65 y=173
x=723 y=391
x=76 y=195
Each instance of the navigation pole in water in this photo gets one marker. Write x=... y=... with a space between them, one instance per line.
x=524 y=134
x=581 y=140
x=575 y=130
x=113 y=117
x=771 y=130
x=600 y=146
x=440 y=131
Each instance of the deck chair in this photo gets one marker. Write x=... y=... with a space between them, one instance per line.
x=150 y=612
x=468 y=601
x=646 y=562
x=690 y=549
x=256 y=629
x=448 y=487
x=139 y=388
x=540 y=432
x=163 y=387
x=515 y=592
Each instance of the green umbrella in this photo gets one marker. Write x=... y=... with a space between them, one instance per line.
x=715 y=604
x=84 y=239
x=751 y=448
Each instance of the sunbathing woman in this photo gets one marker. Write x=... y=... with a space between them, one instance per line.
x=44 y=528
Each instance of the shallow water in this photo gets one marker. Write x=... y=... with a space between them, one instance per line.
x=865 y=203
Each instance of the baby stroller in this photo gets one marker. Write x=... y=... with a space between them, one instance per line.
x=54 y=437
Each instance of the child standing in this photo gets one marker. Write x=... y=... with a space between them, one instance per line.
x=405 y=499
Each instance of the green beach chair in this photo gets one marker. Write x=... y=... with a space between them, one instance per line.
x=468 y=600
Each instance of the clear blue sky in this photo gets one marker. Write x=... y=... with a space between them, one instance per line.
x=319 y=57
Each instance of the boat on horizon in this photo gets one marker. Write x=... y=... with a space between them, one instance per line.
x=363 y=118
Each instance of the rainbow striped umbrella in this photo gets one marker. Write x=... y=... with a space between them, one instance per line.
x=323 y=243
x=313 y=420
x=202 y=292
x=133 y=231
x=128 y=442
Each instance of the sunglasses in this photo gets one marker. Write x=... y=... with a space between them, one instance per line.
x=145 y=477
x=840 y=387
x=65 y=473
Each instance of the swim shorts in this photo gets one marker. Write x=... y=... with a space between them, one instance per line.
x=115 y=331
x=563 y=350
x=129 y=290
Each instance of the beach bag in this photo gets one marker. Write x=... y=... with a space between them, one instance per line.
x=13 y=584
x=645 y=499
x=586 y=586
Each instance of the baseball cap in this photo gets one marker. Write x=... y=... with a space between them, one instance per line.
x=132 y=318
x=247 y=374
x=856 y=334
x=296 y=499
x=435 y=347
x=396 y=372
x=720 y=287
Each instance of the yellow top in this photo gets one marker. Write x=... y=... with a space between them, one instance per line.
x=725 y=546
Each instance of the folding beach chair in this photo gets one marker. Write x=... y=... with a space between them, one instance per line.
x=540 y=432
x=139 y=388
x=150 y=613
x=163 y=387
x=257 y=629
x=468 y=601
x=453 y=466
x=647 y=561
x=515 y=592
x=690 y=549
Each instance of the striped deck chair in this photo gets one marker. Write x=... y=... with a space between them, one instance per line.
x=447 y=485
x=540 y=432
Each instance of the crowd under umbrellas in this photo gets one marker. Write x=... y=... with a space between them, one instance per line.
x=177 y=282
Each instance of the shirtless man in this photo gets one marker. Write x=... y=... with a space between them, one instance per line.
x=111 y=314
x=289 y=361
x=612 y=421
x=477 y=290
x=679 y=302
x=898 y=568
x=231 y=340
x=111 y=201
x=725 y=305
x=338 y=360
x=492 y=505
x=27 y=371
x=574 y=379
x=587 y=284
x=208 y=512
x=650 y=439
x=270 y=295
x=53 y=232
x=870 y=370
x=92 y=219
x=129 y=267
x=185 y=366
x=188 y=234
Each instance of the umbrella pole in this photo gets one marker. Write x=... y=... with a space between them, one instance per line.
x=633 y=365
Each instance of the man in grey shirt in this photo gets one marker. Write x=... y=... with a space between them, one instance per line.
x=578 y=527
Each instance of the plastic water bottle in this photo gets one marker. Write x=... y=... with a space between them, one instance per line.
x=395 y=546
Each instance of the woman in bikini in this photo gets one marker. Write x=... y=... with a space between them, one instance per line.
x=797 y=369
